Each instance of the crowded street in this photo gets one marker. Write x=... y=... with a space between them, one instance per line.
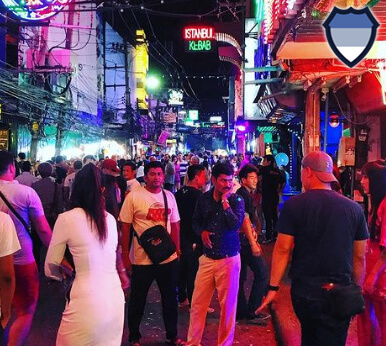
x=192 y=173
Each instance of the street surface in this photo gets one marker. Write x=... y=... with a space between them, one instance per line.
x=51 y=305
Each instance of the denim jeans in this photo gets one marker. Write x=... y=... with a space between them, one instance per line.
x=166 y=276
x=259 y=285
x=319 y=327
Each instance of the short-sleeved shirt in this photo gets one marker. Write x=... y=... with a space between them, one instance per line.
x=9 y=243
x=144 y=209
x=248 y=202
x=68 y=182
x=27 y=203
x=26 y=178
x=325 y=225
x=271 y=179
x=132 y=184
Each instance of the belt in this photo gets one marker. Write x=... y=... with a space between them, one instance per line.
x=222 y=256
x=331 y=286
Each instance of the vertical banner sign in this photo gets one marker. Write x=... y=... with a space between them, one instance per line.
x=199 y=39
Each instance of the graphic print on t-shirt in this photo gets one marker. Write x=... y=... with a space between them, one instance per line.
x=157 y=212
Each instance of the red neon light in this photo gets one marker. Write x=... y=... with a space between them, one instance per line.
x=199 y=33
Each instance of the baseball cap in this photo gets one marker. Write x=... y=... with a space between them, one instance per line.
x=321 y=164
x=111 y=165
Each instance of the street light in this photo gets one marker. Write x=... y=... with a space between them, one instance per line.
x=152 y=83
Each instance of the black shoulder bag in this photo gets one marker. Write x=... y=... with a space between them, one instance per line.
x=156 y=241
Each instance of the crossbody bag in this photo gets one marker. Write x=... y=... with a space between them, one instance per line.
x=156 y=241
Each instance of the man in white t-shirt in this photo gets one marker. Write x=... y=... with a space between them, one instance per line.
x=129 y=170
x=27 y=204
x=8 y=246
x=144 y=208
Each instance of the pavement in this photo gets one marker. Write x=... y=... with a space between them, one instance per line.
x=286 y=325
x=282 y=329
x=51 y=305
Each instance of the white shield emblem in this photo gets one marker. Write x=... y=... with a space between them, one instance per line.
x=351 y=33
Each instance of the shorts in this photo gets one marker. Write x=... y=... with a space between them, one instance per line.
x=27 y=286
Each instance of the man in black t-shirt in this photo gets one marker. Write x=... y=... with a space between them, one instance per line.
x=250 y=250
x=191 y=243
x=327 y=233
x=272 y=182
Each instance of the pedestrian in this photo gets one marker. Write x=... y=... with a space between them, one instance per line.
x=217 y=219
x=24 y=207
x=327 y=234
x=61 y=169
x=191 y=244
x=129 y=171
x=51 y=196
x=26 y=177
x=372 y=323
x=50 y=193
x=184 y=164
x=272 y=182
x=144 y=209
x=251 y=254
x=169 y=173
x=9 y=244
x=113 y=176
x=177 y=172
x=69 y=180
x=94 y=311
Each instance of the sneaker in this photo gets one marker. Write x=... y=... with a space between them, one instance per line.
x=210 y=310
x=175 y=342
x=184 y=303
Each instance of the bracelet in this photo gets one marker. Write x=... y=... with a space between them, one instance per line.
x=224 y=201
x=122 y=270
x=273 y=288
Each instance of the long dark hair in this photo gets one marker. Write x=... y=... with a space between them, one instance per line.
x=87 y=194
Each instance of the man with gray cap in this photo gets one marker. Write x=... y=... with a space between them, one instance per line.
x=327 y=234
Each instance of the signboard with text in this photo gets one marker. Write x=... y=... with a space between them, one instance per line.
x=199 y=39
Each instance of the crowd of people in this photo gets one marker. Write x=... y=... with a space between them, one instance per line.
x=194 y=223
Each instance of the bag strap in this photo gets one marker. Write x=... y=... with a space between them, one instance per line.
x=12 y=209
x=166 y=209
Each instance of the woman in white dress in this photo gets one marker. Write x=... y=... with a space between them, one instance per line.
x=94 y=313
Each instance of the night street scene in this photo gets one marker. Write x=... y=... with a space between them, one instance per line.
x=193 y=172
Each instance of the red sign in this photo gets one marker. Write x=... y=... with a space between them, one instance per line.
x=199 y=39
x=199 y=33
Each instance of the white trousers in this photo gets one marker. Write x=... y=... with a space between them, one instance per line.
x=223 y=275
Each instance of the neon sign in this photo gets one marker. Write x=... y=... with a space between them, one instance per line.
x=199 y=39
x=35 y=9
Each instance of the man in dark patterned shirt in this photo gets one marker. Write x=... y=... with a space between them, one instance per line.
x=217 y=219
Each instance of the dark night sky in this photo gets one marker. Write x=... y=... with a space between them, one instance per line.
x=168 y=36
